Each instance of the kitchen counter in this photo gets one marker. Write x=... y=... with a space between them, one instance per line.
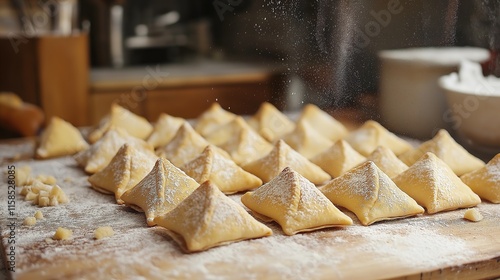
x=186 y=89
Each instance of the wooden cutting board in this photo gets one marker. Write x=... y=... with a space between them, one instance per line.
x=442 y=245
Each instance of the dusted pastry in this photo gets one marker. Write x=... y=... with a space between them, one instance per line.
x=160 y=191
x=223 y=172
x=371 y=195
x=133 y=124
x=433 y=185
x=387 y=161
x=126 y=169
x=241 y=142
x=295 y=204
x=207 y=218
x=371 y=135
x=306 y=140
x=271 y=165
x=444 y=147
x=211 y=119
x=99 y=154
x=485 y=181
x=325 y=124
x=338 y=159
x=270 y=123
x=60 y=138
x=186 y=145
x=164 y=130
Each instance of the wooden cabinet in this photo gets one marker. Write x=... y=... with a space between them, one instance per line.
x=49 y=71
x=186 y=95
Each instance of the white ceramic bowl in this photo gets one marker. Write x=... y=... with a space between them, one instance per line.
x=474 y=112
x=411 y=101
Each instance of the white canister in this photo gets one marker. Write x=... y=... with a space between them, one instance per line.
x=411 y=101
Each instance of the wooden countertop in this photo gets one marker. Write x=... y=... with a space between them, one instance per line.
x=442 y=245
x=196 y=72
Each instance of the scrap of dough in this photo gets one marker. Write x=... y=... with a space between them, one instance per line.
x=62 y=234
x=282 y=155
x=212 y=118
x=29 y=221
x=295 y=204
x=164 y=130
x=325 y=124
x=338 y=159
x=306 y=140
x=270 y=123
x=120 y=117
x=126 y=169
x=371 y=195
x=448 y=150
x=103 y=232
x=208 y=218
x=433 y=185
x=371 y=135
x=223 y=172
x=60 y=138
x=160 y=191
x=99 y=154
x=38 y=215
x=387 y=161
x=473 y=215
x=485 y=181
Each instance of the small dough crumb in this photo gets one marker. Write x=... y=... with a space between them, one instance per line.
x=49 y=240
x=42 y=194
x=29 y=221
x=103 y=232
x=38 y=215
x=62 y=234
x=23 y=175
x=473 y=215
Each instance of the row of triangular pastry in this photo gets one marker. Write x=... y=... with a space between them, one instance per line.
x=197 y=216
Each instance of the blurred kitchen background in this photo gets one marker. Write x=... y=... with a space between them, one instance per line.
x=74 y=58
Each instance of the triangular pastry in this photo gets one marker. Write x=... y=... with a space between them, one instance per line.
x=433 y=185
x=133 y=124
x=387 y=161
x=227 y=131
x=207 y=218
x=186 y=145
x=295 y=204
x=99 y=154
x=212 y=118
x=325 y=124
x=485 y=181
x=447 y=149
x=371 y=135
x=338 y=159
x=306 y=140
x=371 y=195
x=223 y=172
x=270 y=123
x=241 y=142
x=160 y=191
x=126 y=169
x=60 y=138
x=164 y=130
x=271 y=165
